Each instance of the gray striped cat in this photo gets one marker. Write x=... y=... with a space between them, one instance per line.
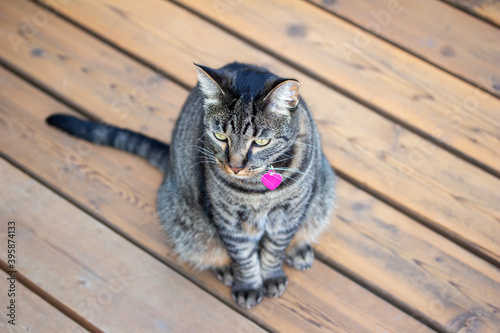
x=240 y=124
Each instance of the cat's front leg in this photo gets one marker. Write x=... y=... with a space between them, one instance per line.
x=247 y=290
x=272 y=254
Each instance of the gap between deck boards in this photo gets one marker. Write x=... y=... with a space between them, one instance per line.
x=409 y=51
x=75 y=317
x=484 y=18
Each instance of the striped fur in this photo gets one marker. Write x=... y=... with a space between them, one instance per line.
x=154 y=151
x=217 y=213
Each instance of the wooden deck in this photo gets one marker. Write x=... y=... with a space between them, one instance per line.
x=406 y=95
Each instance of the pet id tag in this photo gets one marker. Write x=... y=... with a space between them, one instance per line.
x=271 y=179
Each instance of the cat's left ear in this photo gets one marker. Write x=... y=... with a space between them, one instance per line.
x=211 y=83
x=284 y=97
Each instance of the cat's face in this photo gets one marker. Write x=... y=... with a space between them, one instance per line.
x=247 y=128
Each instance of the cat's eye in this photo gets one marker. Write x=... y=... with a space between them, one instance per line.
x=220 y=136
x=262 y=142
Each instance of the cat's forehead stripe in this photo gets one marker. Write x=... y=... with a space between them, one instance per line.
x=247 y=126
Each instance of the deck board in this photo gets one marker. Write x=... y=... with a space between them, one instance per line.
x=427 y=273
x=33 y=314
x=489 y=10
x=416 y=271
x=373 y=151
x=433 y=30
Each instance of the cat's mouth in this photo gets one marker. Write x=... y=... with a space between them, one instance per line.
x=243 y=173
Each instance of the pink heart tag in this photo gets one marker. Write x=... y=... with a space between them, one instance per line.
x=271 y=179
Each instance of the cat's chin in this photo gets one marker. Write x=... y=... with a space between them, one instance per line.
x=240 y=176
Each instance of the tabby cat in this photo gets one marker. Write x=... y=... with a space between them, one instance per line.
x=239 y=123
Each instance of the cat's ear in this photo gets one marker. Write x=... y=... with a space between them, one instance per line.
x=284 y=97
x=211 y=83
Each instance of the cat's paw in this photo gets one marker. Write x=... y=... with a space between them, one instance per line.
x=300 y=257
x=246 y=296
x=275 y=286
x=225 y=275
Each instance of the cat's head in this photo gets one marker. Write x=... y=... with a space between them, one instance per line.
x=250 y=117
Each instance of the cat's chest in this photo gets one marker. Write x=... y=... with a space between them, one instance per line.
x=267 y=218
x=256 y=212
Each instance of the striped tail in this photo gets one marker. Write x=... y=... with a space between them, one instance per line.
x=154 y=151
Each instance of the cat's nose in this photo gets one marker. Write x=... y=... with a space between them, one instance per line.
x=236 y=162
x=235 y=169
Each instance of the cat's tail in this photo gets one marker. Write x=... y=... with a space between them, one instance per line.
x=154 y=151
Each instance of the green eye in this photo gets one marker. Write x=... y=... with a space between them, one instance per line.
x=220 y=136
x=262 y=142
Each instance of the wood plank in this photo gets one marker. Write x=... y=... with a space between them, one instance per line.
x=374 y=71
x=448 y=193
x=33 y=314
x=416 y=295
x=318 y=300
x=437 y=32
x=423 y=271
x=97 y=273
x=486 y=9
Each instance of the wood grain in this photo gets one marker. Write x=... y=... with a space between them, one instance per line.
x=374 y=71
x=445 y=36
x=33 y=314
x=486 y=9
x=317 y=300
x=427 y=273
x=453 y=196
x=116 y=85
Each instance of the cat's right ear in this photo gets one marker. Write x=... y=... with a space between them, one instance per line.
x=210 y=83
x=284 y=97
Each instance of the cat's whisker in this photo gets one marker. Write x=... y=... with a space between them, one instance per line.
x=205 y=146
x=290 y=177
x=201 y=137
x=288 y=180
x=257 y=170
x=292 y=170
x=294 y=179
x=207 y=150
x=206 y=154
x=288 y=183
x=208 y=158
x=209 y=162
x=201 y=148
